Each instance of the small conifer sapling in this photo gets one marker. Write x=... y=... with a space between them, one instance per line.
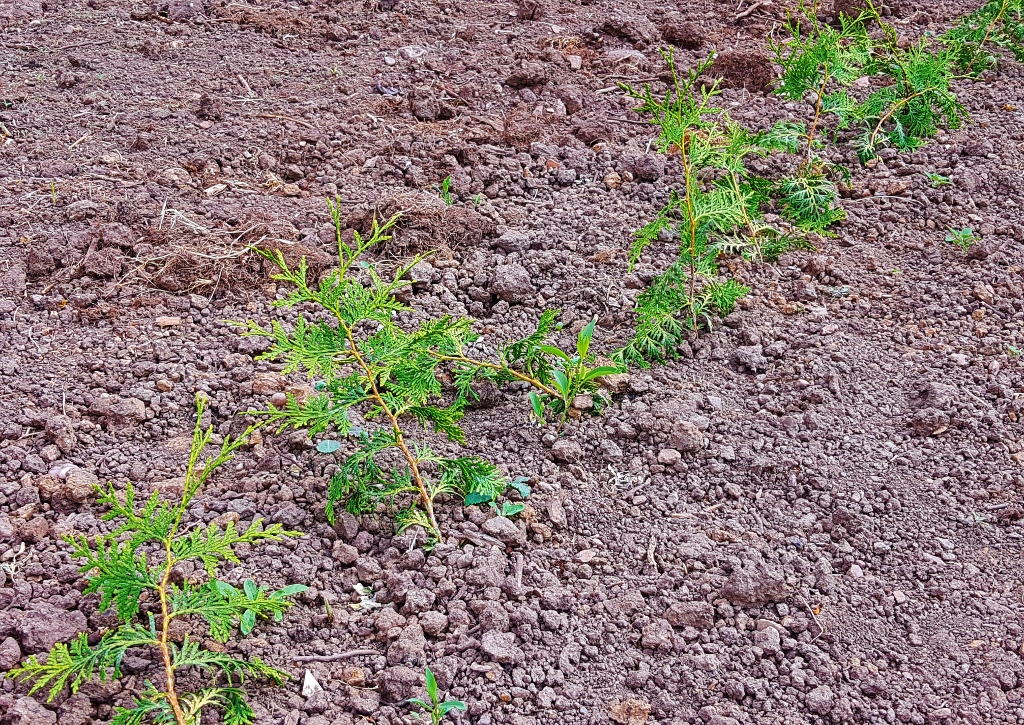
x=134 y=563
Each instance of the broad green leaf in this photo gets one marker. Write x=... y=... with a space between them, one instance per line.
x=561 y=382
x=431 y=682
x=289 y=591
x=538 y=406
x=477 y=497
x=583 y=342
x=248 y=621
x=511 y=509
x=251 y=590
x=328 y=446
x=600 y=372
x=519 y=484
x=552 y=350
x=224 y=589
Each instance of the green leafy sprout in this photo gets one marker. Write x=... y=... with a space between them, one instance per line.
x=963 y=238
x=134 y=563
x=444 y=191
x=369 y=366
x=937 y=180
x=509 y=509
x=437 y=708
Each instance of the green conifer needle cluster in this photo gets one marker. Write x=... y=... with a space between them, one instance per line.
x=374 y=378
x=133 y=564
x=865 y=84
x=974 y=42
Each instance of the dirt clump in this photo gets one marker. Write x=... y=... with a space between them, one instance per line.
x=748 y=69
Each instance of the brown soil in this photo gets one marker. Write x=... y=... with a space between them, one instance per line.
x=813 y=516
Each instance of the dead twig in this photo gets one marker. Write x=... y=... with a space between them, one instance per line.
x=82 y=45
x=752 y=9
x=821 y=629
x=80 y=140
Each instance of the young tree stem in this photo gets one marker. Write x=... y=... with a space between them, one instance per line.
x=988 y=32
x=691 y=291
x=410 y=458
x=895 y=107
x=817 y=112
x=165 y=649
x=500 y=368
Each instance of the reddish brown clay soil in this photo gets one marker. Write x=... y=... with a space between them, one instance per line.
x=813 y=516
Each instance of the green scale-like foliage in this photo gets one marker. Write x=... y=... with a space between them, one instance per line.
x=135 y=560
x=371 y=369
x=719 y=210
x=975 y=42
x=915 y=103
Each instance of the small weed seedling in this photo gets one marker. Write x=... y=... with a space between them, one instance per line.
x=368 y=365
x=436 y=708
x=509 y=509
x=573 y=375
x=132 y=565
x=937 y=179
x=963 y=238
x=997 y=24
x=444 y=191
x=478 y=199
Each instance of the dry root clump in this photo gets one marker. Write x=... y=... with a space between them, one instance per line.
x=426 y=223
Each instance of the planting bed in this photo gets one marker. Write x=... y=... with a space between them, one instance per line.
x=813 y=515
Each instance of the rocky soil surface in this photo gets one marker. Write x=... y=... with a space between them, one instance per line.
x=813 y=516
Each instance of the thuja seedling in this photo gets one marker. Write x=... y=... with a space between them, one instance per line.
x=915 y=97
x=821 y=62
x=963 y=238
x=437 y=708
x=369 y=366
x=707 y=219
x=937 y=180
x=134 y=563
x=996 y=24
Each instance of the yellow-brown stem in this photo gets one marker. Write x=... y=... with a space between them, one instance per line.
x=817 y=113
x=692 y=283
x=410 y=458
x=502 y=368
x=165 y=649
x=988 y=32
x=746 y=217
x=896 y=106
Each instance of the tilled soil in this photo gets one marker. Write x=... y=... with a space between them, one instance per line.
x=812 y=516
